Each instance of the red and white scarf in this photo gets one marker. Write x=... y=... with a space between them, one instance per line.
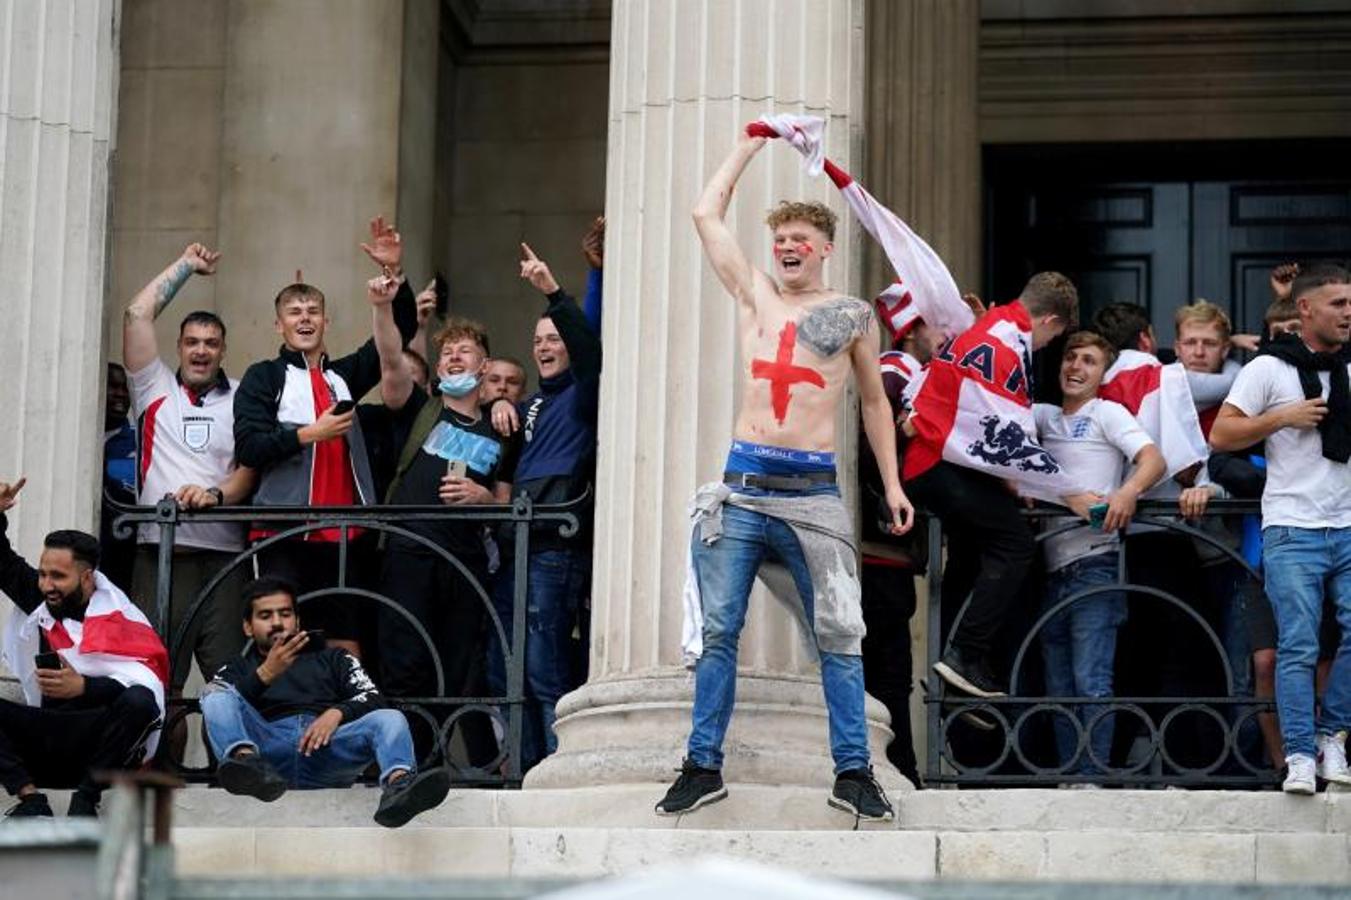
x=924 y=288
x=114 y=640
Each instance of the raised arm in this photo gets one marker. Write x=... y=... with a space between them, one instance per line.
x=139 y=347
x=733 y=269
x=880 y=427
x=18 y=579
x=396 y=383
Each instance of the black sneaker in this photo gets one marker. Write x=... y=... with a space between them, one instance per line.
x=970 y=675
x=251 y=776
x=857 y=792
x=410 y=795
x=30 y=807
x=83 y=804
x=979 y=719
x=695 y=787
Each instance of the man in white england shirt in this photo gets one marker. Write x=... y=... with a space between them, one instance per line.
x=1295 y=396
x=1092 y=438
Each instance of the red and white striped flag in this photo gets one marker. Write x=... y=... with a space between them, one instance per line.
x=115 y=640
x=1160 y=399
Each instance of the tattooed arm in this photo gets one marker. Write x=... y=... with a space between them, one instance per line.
x=138 y=323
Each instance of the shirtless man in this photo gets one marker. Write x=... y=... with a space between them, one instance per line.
x=778 y=501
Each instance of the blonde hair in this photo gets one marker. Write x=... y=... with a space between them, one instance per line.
x=815 y=214
x=458 y=329
x=1203 y=312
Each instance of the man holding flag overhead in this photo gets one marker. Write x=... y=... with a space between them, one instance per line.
x=974 y=437
x=92 y=670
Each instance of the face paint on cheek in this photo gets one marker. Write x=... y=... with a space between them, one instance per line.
x=805 y=249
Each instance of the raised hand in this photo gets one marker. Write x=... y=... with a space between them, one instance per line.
x=1281 y=278
x=202 y=260
x=9 y=494
x=281 y=655
x=426 y=303
x=381 y=289
x=536 y=271
x=593 y=244
x=386 y=247
x=975 y=304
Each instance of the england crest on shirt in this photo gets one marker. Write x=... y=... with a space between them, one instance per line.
x=196 y=434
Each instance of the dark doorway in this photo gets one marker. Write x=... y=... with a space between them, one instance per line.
x=1162 y=225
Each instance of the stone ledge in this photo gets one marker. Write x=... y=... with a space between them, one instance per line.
x=756 y=807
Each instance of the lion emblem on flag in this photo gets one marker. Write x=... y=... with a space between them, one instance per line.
x=1007 y=444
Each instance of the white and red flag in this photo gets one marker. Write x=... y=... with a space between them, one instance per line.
x=115 y=640
x=1161 y=401
x=974 y=409
x=924 y=288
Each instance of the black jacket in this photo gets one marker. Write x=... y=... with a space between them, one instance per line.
x=319 y=681
x=272 y=446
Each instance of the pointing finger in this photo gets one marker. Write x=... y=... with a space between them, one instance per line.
x=527 y=253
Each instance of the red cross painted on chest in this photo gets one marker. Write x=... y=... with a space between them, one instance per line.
x=782 y=374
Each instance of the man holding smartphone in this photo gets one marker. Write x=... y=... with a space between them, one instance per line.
x=292 y=712
x=294 y=418
x=452 y=456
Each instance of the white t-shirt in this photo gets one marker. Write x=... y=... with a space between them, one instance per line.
x=182 y=439
x=1304 y=488
x=1093 y=445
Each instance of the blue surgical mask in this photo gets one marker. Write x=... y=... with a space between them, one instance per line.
x=459 y=385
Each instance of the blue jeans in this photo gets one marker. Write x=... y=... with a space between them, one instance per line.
x=381 y=735
x=1078 y=646
x=1300 y=564
x=557 y=583
x=726 y=571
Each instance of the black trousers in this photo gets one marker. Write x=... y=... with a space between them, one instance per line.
x=888 y=604
x=448 y=606
x=980 y=512
x=60 y=748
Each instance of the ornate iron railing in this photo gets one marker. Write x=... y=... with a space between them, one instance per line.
x=1005 y=758
x=294 y=521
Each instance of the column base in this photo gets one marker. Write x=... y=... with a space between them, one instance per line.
x=633 y=730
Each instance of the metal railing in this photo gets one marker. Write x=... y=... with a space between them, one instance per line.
x=1003 y=751
x=390 y=521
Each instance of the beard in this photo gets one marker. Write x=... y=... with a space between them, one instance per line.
x=66 y=603
x=264 y=641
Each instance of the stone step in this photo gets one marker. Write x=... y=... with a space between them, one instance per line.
x=1133 y=836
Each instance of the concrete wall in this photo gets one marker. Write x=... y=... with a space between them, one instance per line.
x=528 y=164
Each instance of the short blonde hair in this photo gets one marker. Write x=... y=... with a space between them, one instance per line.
x=1092 y=339
x=1203 y=312
x=459 y=329
x=815 y=214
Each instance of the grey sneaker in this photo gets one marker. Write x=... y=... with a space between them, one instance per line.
x=858 y=792
x=1299 y=776
x=1332 y=758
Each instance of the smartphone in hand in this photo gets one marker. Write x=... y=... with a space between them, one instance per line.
x=48 y=660
x=1097 y=515
x=343 y=406
x=457 y=468
x=315 y=641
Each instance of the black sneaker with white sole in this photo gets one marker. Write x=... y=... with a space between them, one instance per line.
x=968 y=674
x=251 y=776
x=695 y=787
x=404 y=798
x=857 y=792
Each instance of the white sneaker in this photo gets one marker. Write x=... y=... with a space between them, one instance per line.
x=1332 y=757
x=1299 y=776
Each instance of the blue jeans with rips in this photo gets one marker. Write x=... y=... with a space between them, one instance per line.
x=380 y=736
x=726 y=571
x=1078 y=646
x=1300 y=564
x=557 y=583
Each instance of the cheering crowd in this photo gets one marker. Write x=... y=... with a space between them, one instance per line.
x=953 y=422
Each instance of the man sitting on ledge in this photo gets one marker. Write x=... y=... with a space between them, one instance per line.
x=91 y=668
x=292 y=712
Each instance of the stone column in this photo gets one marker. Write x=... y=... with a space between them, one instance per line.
x=923 y=161
x=923 y=137
x=684 y=78
x=58 y=81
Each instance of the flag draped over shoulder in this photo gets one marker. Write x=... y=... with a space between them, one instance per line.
x=924 y=287
x=115 y=640
x=1160 y=399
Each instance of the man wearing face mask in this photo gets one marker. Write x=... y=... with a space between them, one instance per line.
x=452 y=456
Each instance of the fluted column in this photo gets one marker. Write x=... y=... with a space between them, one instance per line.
x=923 y=140
x=58 y=83
x=684 y=78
